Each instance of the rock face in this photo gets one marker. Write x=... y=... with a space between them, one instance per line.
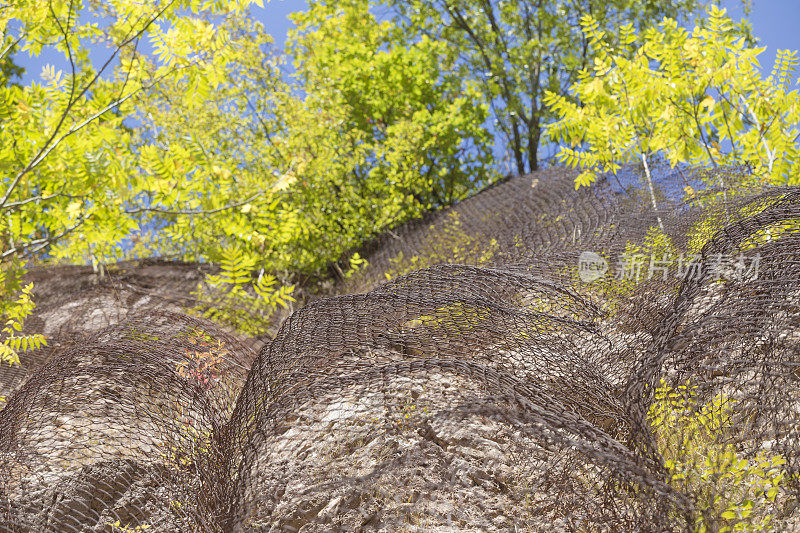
x=75 y=302
x=121 y=428
x=432 y=454
x=483 y=387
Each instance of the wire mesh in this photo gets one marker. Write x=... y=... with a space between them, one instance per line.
x=535 y=358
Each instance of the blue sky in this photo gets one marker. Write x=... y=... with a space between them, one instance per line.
x=274 y=17
x=775 y=22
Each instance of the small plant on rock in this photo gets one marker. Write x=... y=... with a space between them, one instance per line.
x=203 y=364
x=233 y=299
x=732 y=492
x=15 y=306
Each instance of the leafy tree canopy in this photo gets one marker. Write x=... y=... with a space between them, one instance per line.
x=190 y=140
x=66 y=156
x=516 y=52
x=695 y=97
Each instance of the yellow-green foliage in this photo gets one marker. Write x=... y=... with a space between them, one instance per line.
x=357 y=264
x=232 y=297
x=119 y=527
x=190 y=443
x=732 y=492
x=72 y=188
x=614 y=288
x=771 y=233
x=694 y=97
x=446 y=242
x=15 y=305
x=517 y=52
x=720 y=215
x=457 y=316
x=14 y=312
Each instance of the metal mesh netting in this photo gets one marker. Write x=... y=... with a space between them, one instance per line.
x=536 y=358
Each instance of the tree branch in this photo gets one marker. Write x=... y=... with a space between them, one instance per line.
x=193 y=212
x=51 y=142
x=39 y=244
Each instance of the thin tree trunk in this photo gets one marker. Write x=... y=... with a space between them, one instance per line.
x=518 y=156
x=533 y=147
x=652 y=191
